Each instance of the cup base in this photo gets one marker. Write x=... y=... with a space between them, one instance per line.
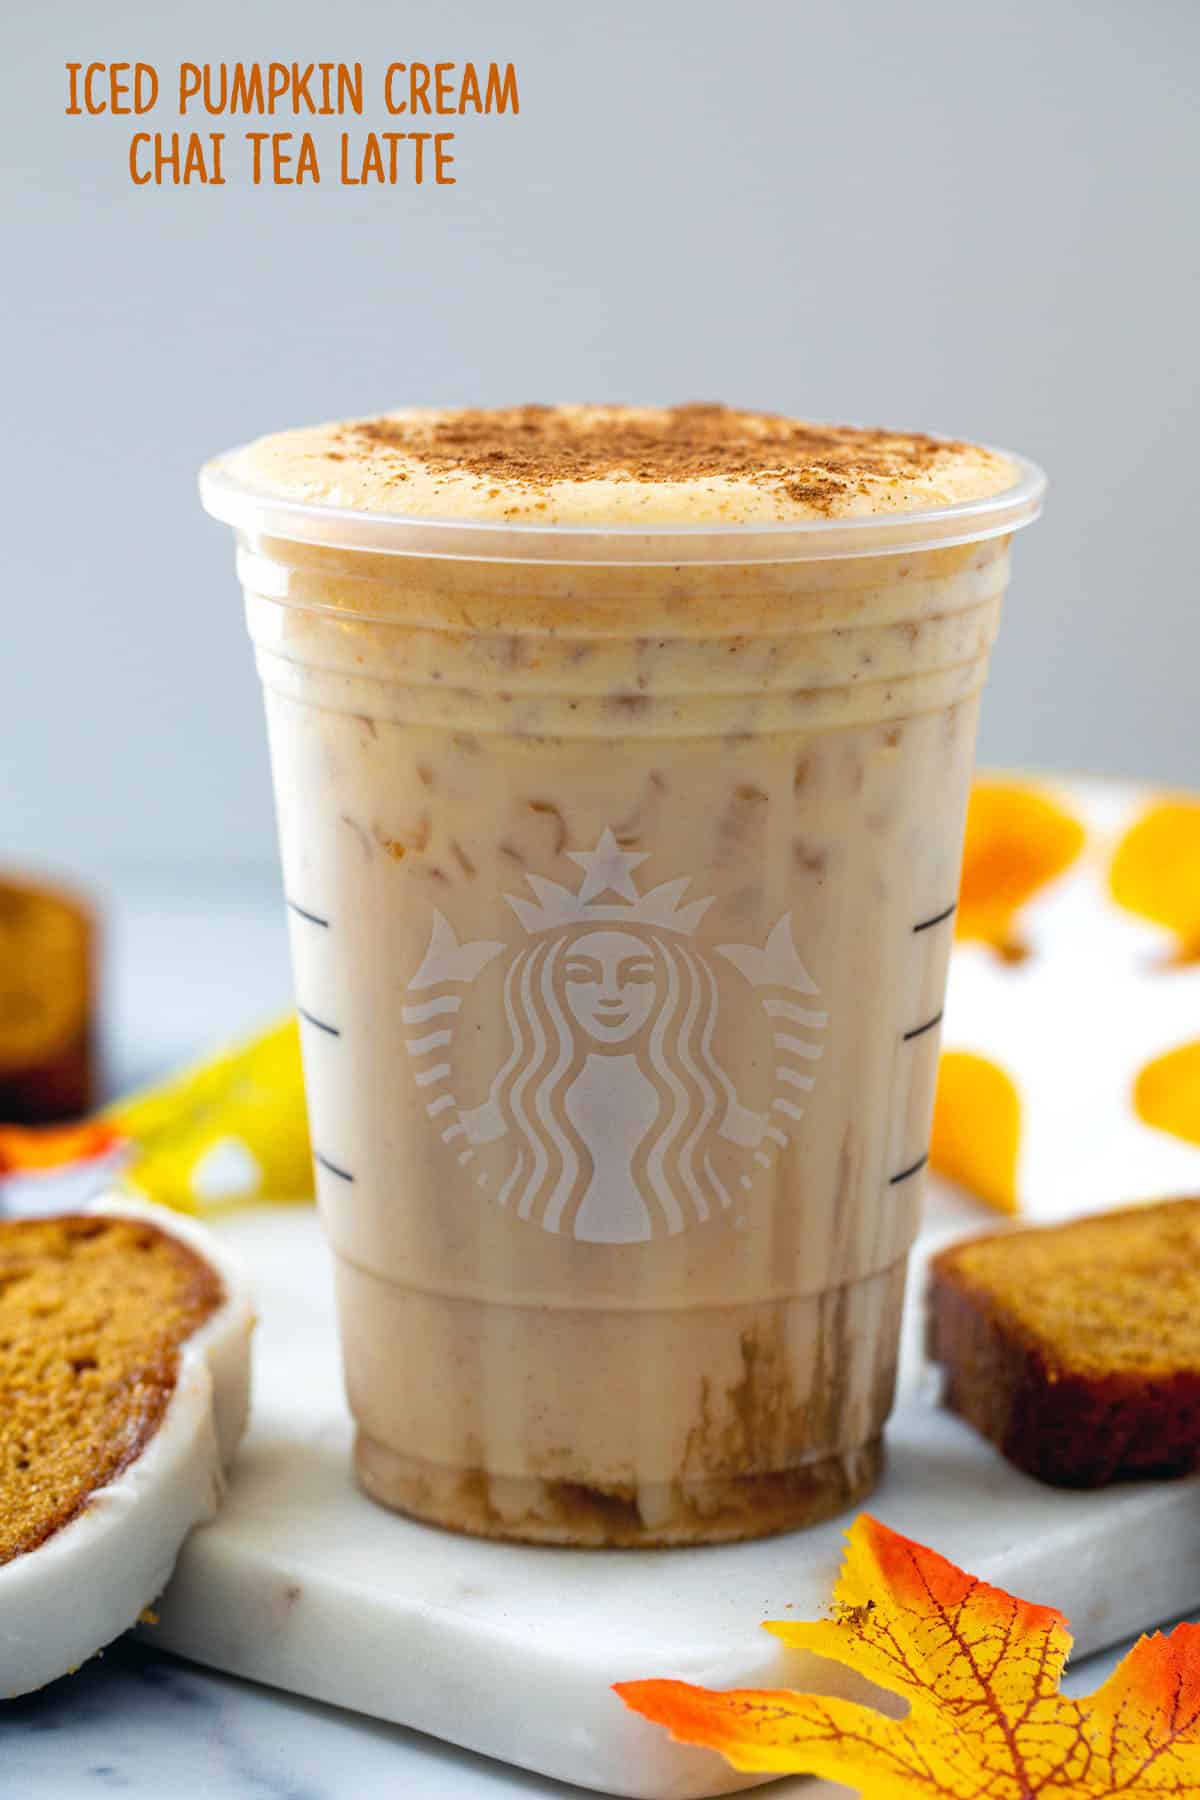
x=531 y=1511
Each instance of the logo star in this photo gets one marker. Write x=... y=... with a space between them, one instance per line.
x=608 y=867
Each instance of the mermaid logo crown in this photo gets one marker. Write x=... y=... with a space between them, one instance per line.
x=608 y=870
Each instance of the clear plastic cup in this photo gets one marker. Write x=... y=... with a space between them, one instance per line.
x=621 y=866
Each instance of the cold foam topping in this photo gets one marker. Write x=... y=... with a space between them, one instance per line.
x=616 y=465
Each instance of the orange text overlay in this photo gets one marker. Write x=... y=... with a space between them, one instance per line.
x=413 y=92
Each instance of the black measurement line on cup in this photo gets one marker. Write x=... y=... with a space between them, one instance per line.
x=332 y=1167
x=334 y=1031
x=312 y=917
x=937 y=919
x=321 y=1024
x=912 y=1169
x=920 y=1030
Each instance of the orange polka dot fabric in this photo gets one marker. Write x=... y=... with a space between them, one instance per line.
x=1070 y=1075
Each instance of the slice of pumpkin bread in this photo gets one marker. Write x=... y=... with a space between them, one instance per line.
x=47 y=980
x=1076 y=1348
x=124 y=1378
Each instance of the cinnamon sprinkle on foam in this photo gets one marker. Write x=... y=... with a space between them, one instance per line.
x=611 y=464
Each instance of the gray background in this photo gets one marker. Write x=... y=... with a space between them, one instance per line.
x=966 y=218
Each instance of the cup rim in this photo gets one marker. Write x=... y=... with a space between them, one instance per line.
x=261 y=514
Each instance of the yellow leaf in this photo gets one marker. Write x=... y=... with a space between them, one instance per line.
x=245 y=1104
x=1155 y=871
x=1017 y=841
x=980 y=1671
x=231 y=1130
x=1166 y=1093
x=977 y=1128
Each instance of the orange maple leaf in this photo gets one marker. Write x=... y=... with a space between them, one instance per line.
x=1166 y=1092
x=980 y=1671
x=1155 y=871
x=39 y=1149
x=976 y=1133
x=1018 y=840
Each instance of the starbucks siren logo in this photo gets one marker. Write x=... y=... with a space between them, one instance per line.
x=611 y=1118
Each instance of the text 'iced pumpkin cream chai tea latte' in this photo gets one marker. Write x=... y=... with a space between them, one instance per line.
x=621 y=759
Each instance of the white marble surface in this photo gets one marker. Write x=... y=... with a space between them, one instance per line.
x=139 y=1721
x=147 y=1726
x=302 y=1582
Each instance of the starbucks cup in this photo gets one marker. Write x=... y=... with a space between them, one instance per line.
x=621 y=865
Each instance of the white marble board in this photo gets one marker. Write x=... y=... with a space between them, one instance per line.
x=304 y=1584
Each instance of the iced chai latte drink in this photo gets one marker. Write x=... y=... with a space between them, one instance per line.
x=621 y=759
